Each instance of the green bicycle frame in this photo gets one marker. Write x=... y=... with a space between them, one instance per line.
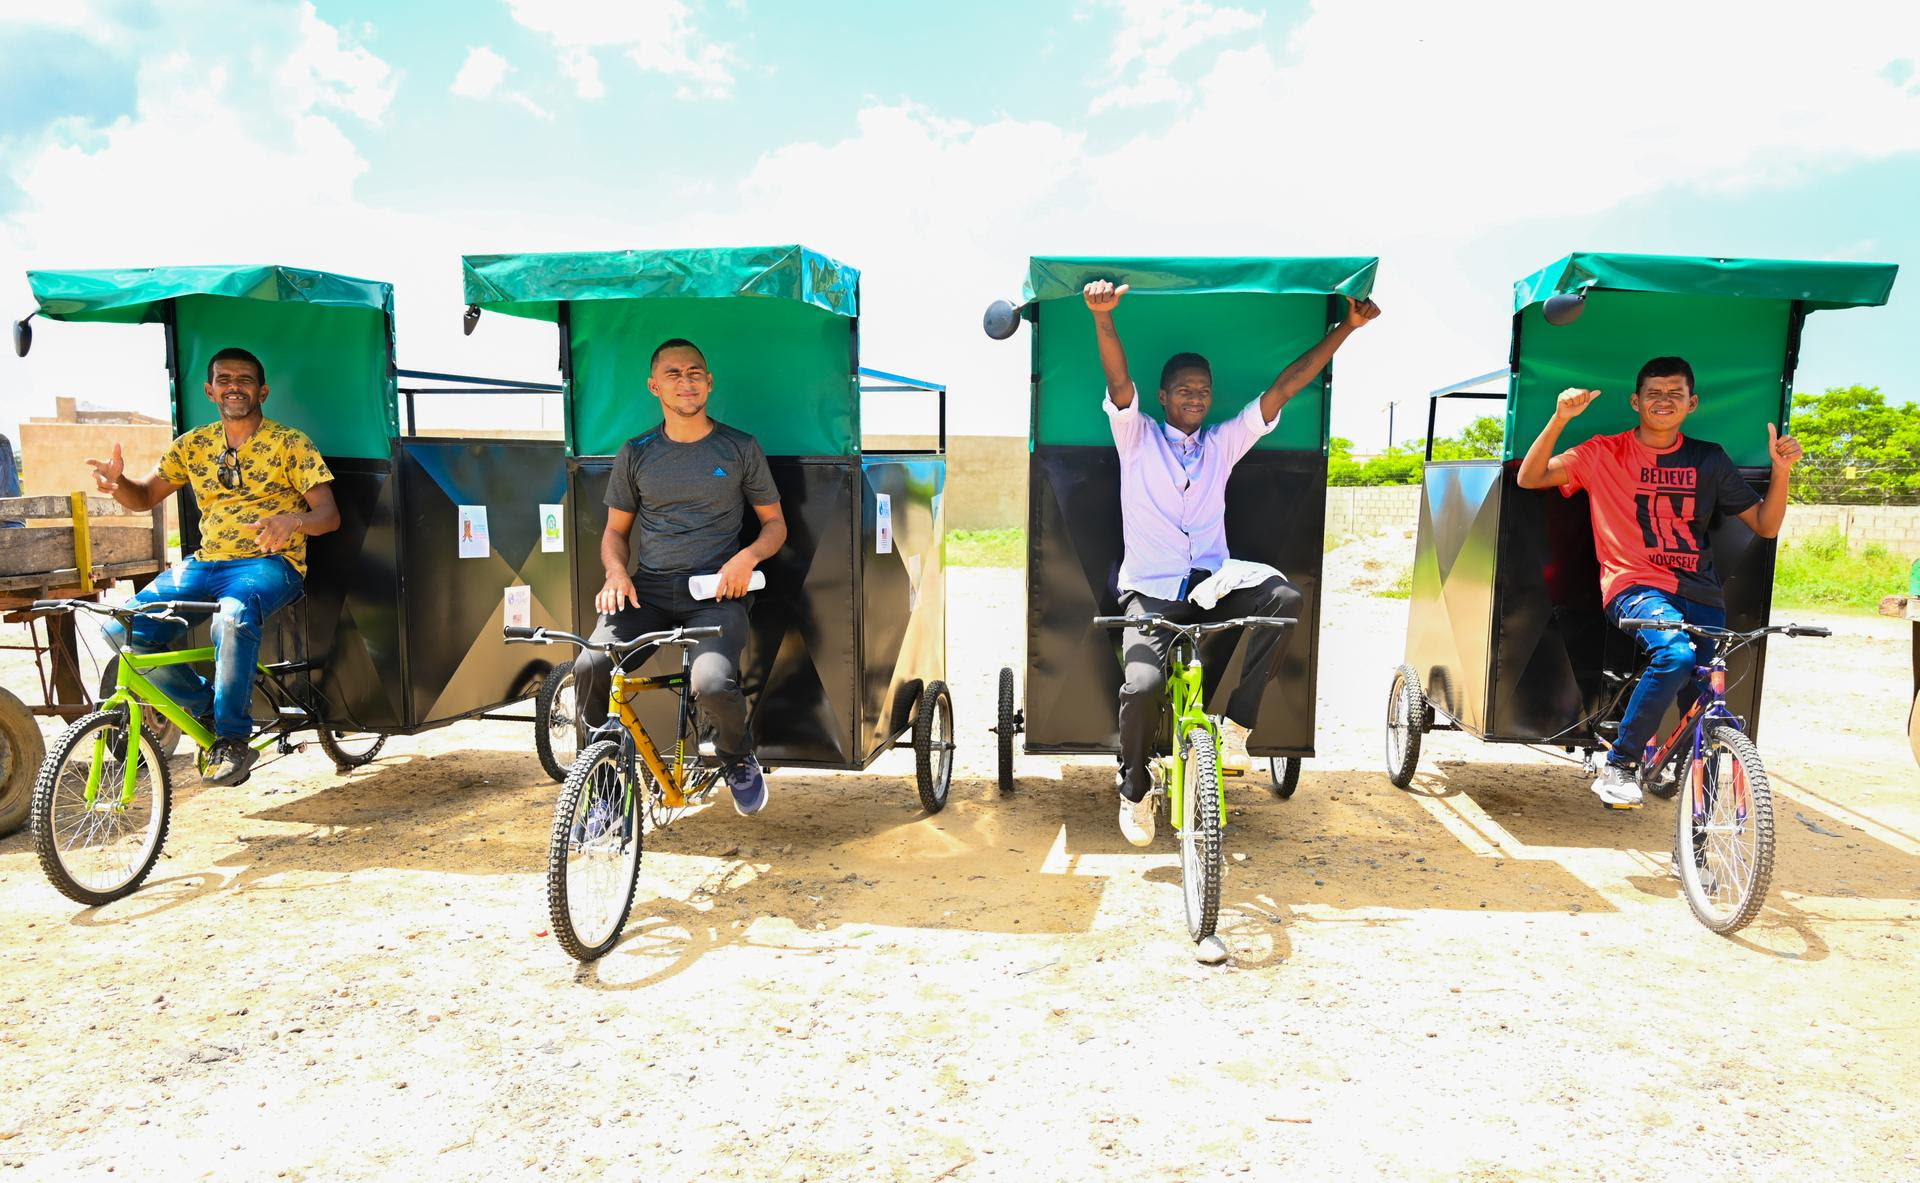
x=134 y=691
x=1184 y=694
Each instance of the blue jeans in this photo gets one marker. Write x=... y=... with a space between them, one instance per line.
x=1672 y=656
x=248 y=592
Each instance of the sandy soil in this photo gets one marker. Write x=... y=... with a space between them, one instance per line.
x=347 y=977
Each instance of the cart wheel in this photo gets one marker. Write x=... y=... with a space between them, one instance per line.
x=350 y=749
x=166 y=733
x=933 y=745
x=22 y=751
x=1006 y=730
x=1406 y=721
x=556 y=721
x=1285 y=771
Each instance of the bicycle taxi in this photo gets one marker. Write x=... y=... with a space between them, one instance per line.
x=1250 y=317
x=398 y=630
x=1507 y=640
x=846 y=657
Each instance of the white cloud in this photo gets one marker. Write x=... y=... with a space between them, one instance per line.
x=1153 y=34
x=481 y=74
x=324 y=71
x=658 y=36
x=480 y=77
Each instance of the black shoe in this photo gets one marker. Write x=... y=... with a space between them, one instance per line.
x=227 y=762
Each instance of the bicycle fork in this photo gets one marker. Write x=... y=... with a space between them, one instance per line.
x=1184 y=689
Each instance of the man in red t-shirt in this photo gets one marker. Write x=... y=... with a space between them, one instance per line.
x=1654 y=494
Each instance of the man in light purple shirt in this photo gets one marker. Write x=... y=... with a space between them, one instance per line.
x=1173 y=511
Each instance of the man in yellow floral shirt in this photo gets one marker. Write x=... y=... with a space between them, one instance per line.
x=262 y=488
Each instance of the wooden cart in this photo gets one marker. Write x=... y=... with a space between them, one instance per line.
x=75 y=547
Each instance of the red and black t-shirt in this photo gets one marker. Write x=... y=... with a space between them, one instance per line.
x=1652 y=510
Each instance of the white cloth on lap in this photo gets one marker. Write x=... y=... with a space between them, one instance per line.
x=1233 y=575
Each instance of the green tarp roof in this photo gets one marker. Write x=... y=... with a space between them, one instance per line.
x=535 y=285
x=133 y=295
x=1818 y=285
x=1058 y=278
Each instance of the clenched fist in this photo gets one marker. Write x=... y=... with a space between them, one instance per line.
x=1573 y=401
x=1102 y=296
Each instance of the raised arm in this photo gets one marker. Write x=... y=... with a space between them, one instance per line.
x=1102 y=298
x=1308 y=365
x=1540 y=468
x=110 y=476
x=1765 y=518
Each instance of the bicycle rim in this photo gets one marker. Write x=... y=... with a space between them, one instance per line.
x=1724 y=839
x=594 y=856
x=1200 y=836
x=100 y=849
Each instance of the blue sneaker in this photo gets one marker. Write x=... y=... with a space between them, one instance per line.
x=749 y=786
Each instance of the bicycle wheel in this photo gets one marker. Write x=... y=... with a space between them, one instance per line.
x=1200 y=836
x=556 y=726
x=1284 y=771
x=933 y=746
x=1724 y=833
x=1004 y=732
x=350 y=749
x=1406 y=722
x=94 y=852
x=593 y=858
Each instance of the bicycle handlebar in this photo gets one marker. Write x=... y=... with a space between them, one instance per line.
x=159 y=609
x=520 y=634
x=1726 y=634
x=1154 y=620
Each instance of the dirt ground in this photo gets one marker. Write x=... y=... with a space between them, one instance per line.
x=1488 y=976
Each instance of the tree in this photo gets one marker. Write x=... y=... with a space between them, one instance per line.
x=1401 y=463
x=1858 y=449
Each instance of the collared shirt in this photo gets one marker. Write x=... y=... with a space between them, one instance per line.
x=277 y=466
x=1173 y=493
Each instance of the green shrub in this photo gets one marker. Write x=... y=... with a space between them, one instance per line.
x=1823 y=572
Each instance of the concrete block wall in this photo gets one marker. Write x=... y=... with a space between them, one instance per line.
x=1363 y=511
x=1896 y=527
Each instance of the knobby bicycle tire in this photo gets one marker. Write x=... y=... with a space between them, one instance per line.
x=48 y=817
x=1199 y=836
x=599 y=760
x=1701 y=873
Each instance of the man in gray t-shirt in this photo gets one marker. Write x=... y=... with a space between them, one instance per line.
x=676 y=505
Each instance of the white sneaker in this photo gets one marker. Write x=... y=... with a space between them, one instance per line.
x=1136 y=820
x=1617 y=787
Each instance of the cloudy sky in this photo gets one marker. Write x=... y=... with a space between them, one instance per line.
x=936 y=147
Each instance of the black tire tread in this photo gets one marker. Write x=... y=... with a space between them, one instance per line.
x=1004 y=732
x=26 y=752
x=341 y=757
x=934 y=788
x=42 y=819
x=542 y=711
x=1204 y=787
x=576 y=783
x=1401 y=774
x=1761 y=793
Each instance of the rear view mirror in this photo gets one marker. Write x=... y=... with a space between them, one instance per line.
x=22 y=336
x=1001 y=321
x=1564 y=308
x=469 y=319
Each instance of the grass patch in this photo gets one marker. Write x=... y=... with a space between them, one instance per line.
x=1823 y=572
x=1401 y=588
x=1001 y=547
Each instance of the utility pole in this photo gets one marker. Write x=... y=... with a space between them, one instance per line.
x=1391 y=404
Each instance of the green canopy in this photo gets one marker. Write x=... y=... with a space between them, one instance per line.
x=535 y=285
x=1250 y=317
x=1815 y=285
x=1058 y=278
x=135 y=295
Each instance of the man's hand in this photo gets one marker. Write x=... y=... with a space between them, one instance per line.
x=106 y=473
x=1573 y=401
x=1783 y=448
x=734 y=577
x=275 y=532
x=1102 y=296
x=616 y=593
x=1359 y=312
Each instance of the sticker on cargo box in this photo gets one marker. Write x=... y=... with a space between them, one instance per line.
x=518 y=612
x=551 y=539
x=882 y=524
x=473 y=532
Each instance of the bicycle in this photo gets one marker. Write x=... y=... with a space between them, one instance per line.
x=1723 y=827
x=1188 y=772
x=609 y=800
x=96 y=845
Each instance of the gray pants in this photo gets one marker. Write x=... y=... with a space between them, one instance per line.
x=1143 y=651
x=666 y=603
